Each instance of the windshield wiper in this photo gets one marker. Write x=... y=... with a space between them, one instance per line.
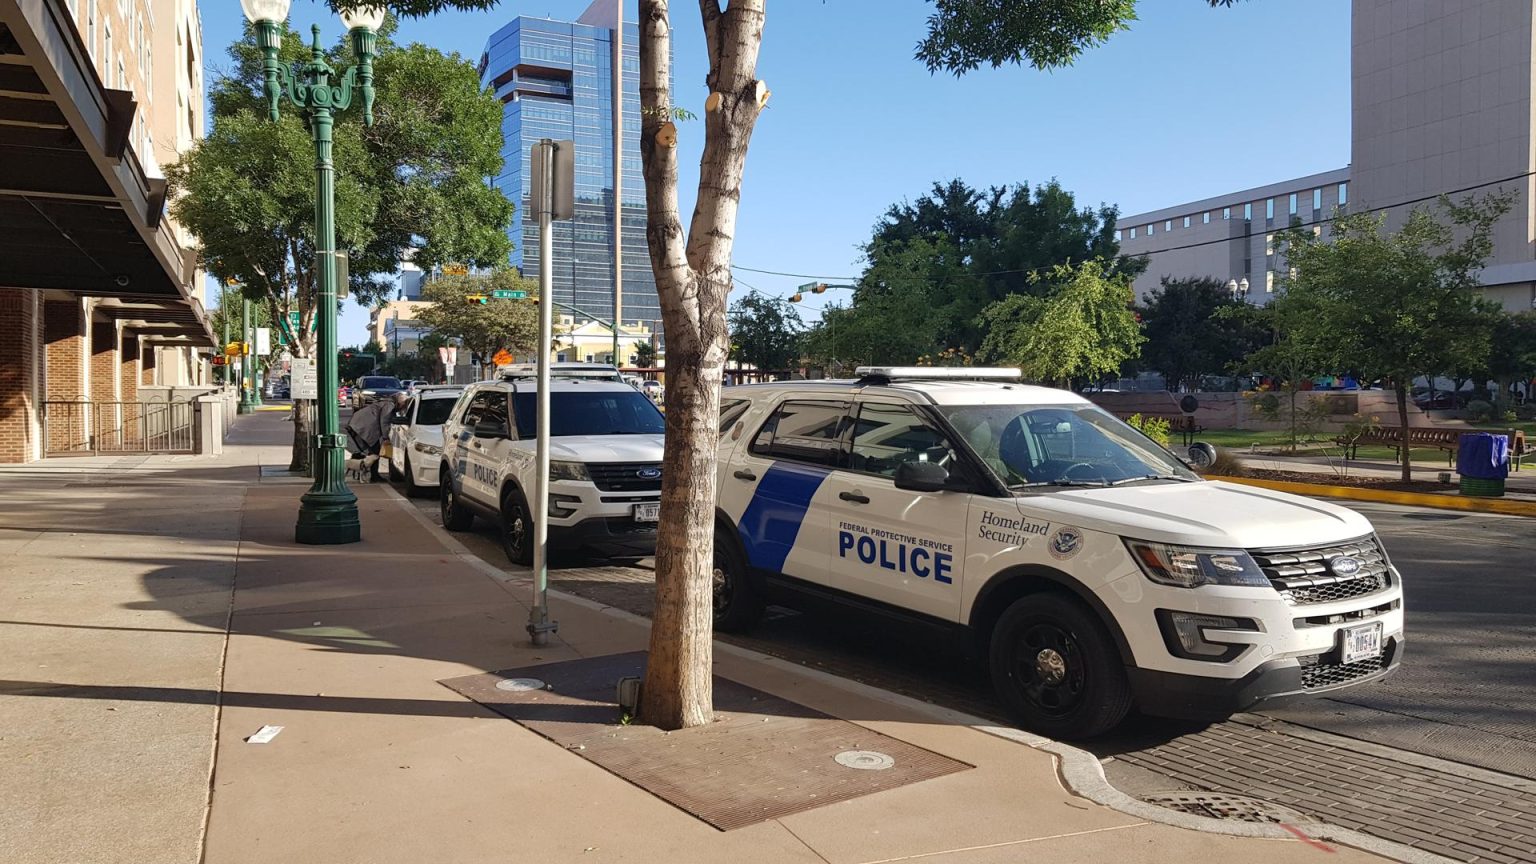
x=1086 y=484
x=1151 y=477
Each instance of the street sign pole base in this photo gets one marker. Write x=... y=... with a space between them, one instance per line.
x=539 y=626
x=327 y=519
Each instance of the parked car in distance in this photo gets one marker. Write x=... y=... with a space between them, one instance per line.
x=371 y=388
x=652 y=389
x=605 y=471
x=416 y=437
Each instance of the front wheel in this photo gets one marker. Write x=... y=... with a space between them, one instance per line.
x=394 y=473
x=737 y=608
x=516 y=528
x=1056 y=668
x=455 y=517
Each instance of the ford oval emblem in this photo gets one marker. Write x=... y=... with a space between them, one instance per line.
x=648 y=473
x=1345 y=566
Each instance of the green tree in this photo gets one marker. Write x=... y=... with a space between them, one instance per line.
x=1188 y=337
x=1513 y=357
x=1084 y=329
x=765 y=332
x=692 y=266
x=483 y=328
x=1395 y=305
x=645 y=355
x=414 y=180
x=1295 y=350
x=976 y=247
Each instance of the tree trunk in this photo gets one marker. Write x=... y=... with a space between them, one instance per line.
x=1401 y=392
x=693 y=279
x=303 y=434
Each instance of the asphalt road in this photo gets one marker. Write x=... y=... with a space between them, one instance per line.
x=1466 y=691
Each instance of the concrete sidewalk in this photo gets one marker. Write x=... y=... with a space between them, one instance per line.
x=159 y=614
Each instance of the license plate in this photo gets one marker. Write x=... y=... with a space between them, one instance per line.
x=648 y=512
x=1361 y=643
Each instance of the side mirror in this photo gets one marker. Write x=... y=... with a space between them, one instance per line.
x=491 y=429
x=922 y=477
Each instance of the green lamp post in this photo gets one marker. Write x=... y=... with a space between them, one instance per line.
x=328 y=511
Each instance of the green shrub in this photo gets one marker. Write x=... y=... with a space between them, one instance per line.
x=1155 y=428
x=1479 y=411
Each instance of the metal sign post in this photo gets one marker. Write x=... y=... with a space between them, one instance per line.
x=554 y=195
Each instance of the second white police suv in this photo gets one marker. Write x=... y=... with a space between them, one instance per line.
x=1093 y=570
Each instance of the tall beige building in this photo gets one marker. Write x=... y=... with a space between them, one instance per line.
x=1441 y=103
x=100 y=294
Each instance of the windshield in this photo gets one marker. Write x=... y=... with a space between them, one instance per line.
x=434 y=412
x=604 y=412
x=380 y=382
x=1061 y=445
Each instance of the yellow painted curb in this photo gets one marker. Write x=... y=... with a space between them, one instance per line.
x=1385 y=496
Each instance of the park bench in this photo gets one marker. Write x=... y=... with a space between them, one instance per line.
x=1447 y=440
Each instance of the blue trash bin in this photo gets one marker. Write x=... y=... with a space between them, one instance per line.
x=1482 y=460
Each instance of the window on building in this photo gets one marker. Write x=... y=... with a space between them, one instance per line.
x=1186 y=221
x=1269 y=209
x=1248 y=212
x=1205 y=218
x=1269 y=282
x=1247 y=266
x=1343 y=194
x=74 y=8
x=1269 y=244
x=1133 y=233
x=1168 y=225
x=1151 y=229
x=122 y=77
x=90 y=26
x=1293 y=203
x=1117 y=235
x=106 y=49
x=1317 y=199
x=1226 y=213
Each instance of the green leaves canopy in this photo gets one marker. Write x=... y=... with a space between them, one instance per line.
x=511 y=325
x=765 y=332
x=415 y=180
x=1084 y=329
x=1193 y=328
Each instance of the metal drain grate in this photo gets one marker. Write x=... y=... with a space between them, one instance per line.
x=1217 y=805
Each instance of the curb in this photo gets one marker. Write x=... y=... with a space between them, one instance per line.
x=1080 y=772
x=1383 y=496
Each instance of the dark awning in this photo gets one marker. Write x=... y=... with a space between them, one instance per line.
x=79 y=212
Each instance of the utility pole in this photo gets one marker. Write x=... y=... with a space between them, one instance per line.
x=554 y=194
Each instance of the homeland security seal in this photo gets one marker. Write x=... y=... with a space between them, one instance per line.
x=1065 y=543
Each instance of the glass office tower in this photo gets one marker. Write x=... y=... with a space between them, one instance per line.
x=556 y=80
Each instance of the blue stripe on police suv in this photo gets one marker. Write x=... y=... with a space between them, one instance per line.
x=773 y=517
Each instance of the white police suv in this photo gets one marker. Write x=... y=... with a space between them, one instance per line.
x=605 y=464
x=1094 y=571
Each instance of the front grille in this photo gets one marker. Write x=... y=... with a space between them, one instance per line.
x=625 y=476
x=1330 y=674
x=1304 y=577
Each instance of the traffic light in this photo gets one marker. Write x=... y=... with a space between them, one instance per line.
x=821 y=288
x=482 y=299
x=795 y=298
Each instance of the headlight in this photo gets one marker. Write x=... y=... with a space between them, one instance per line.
x=429 y=449
x=1191 y=567
x=568 y=471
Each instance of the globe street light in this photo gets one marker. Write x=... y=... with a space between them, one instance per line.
x=328 y=511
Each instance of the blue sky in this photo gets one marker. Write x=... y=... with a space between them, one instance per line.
x=1191 y=102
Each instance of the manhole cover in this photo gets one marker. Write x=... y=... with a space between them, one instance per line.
x=1217 y=805
x=865 y=760
x=519 y=685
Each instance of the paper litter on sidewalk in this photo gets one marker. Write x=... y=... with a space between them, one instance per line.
x=264 y=735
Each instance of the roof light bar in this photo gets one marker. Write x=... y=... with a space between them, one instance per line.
x=940 y=373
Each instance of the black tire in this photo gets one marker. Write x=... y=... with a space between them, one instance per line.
x=394 y=473
x=1056 y=669
x=455 y=517
x=737 y=607
x=516 y=528
x=411 y=489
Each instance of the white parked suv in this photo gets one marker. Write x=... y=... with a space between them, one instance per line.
x=605 y=464
x=1092 y=569
x=416 y=436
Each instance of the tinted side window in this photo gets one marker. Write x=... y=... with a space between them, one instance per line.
x=731 y=411
x=477 y=405
x=888 y=435
x=496 y=409
x=812 y=432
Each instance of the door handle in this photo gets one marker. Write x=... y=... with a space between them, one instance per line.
x=856 y=497
x=744 y=475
